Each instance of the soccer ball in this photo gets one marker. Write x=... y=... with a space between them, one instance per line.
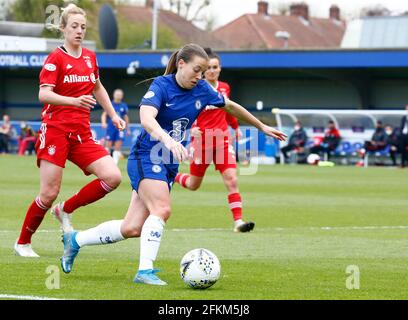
x=200 y=268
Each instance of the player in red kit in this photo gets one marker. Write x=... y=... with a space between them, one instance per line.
x=211 y=142
x=68 y=79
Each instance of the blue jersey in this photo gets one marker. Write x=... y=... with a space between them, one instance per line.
x=177 y=107
x=121 y=109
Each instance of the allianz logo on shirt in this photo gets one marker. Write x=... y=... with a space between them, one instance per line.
x=74 y=78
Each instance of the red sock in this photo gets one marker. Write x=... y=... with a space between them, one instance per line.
x=181 y=179
x=92 y=192
x=235 y=203
x=32 y=221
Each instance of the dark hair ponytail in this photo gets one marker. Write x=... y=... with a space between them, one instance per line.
x=188 y=52
x=211 y=54
x=172 y=64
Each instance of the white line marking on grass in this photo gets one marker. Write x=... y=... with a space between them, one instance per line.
x=275 y=229
x=39 y=231
x=18 y=297
x=295 y=228
x=197 y=229
x=360 y=228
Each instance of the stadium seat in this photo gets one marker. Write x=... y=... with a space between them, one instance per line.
x=298 y=155
x=345 y=148
x=355 y=147
x=382 y=153
x=13 y=145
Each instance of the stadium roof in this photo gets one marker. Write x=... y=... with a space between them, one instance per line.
x=258 y=31
x=377 y=32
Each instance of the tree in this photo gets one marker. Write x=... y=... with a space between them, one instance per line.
x=191 y=10
x=280 y=8
x=135 y=35
x=4 y=9
x=35 y=10
x=374 y=11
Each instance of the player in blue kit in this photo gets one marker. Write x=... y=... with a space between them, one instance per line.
x=167 y=111
x=114 y=137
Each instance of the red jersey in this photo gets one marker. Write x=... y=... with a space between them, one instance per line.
x=216 y=118
x=332 y=133
x=72 y=77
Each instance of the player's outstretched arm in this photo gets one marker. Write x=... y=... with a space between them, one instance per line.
x=103 y=98
x=149 y=123
x=242 y=114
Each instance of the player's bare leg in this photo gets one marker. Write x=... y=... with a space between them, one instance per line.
x=135 y=217
x=198 y=168
x=106 y=233
x=108 y=178
x=189 y=181
x=230 y=179
x=155 y=195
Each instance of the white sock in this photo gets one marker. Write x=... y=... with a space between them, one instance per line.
x=107 y=232
x=238 y=222
x=116 y=156
x=150 y=238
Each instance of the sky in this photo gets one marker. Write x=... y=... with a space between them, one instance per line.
x=228 y=10
x=224 y=11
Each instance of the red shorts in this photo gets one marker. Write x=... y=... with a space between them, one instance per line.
x=58 y=142
x=222 y=155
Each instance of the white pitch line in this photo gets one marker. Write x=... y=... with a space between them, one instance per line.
x=39 y=231
x=197 y=229
x=18 y=297
x=360 y=228
x=275 y=229
x=297 y=228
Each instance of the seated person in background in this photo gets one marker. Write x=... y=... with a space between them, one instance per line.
x=378 y=142
x=26 y=140
x=393 y=140
x=330 y=141
x=297 y=141
x=5 y=134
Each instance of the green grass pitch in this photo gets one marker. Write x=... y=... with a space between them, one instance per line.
x=311 y=224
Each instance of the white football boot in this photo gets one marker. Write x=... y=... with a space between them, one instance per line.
x=63 y=217
x=25 y=250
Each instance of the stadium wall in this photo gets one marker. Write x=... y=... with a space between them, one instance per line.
x=19 y=92
x=295 y=79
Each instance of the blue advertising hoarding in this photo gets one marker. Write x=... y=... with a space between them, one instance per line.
x=236 y=59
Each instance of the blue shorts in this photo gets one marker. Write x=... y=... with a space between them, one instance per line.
x=143 y=168
x=113 y=134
